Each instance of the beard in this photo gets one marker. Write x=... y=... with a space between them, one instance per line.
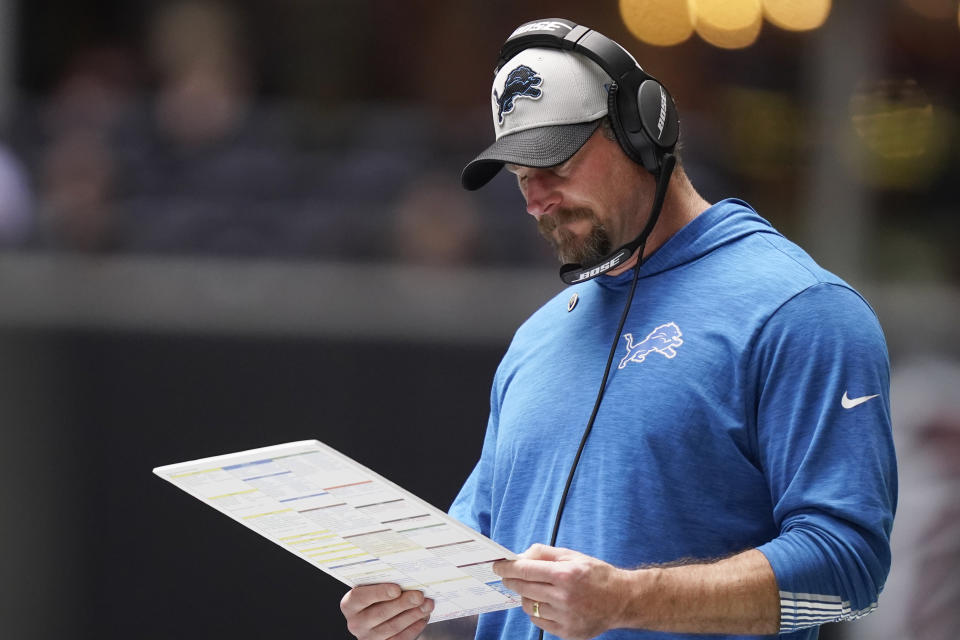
x=587 y=250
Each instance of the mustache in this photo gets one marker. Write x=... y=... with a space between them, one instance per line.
x=548 y=224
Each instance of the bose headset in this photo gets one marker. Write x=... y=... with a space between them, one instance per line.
x=643 y=114
x=641 y=110
x=646 y=125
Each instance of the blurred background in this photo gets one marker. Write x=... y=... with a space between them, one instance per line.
x=226 y=225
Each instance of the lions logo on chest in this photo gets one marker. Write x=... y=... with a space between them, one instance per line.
x=522 y=82
x=664 y=340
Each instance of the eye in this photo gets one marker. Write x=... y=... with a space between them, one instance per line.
x=564 y=167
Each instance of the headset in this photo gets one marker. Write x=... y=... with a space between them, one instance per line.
x=642 y=112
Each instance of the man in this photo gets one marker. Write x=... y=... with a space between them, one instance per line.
x=739 y=477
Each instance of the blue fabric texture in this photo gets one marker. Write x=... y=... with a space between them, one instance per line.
x=723 y=427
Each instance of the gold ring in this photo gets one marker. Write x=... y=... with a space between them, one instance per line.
x=536 y=609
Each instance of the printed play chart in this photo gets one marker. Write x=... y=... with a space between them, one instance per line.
x=350 y=522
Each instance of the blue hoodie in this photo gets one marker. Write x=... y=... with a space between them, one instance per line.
x=727 y=424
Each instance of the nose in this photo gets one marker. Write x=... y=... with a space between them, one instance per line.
x=540 y=193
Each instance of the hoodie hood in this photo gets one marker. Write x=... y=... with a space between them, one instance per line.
x=725 y=222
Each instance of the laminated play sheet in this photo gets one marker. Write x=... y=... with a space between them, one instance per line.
x=351 y=522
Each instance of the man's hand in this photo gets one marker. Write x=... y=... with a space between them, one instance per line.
x=384 y=612
x=578 y=597
x=566 y=593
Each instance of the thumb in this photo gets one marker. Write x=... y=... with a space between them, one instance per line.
x=543 y=552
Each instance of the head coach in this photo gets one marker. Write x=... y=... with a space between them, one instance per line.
x=695 y=438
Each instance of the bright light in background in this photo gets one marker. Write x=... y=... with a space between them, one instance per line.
x=894 y=118
x=728 y=24
x=903 y=140
x=797 y=15
x=658 y=22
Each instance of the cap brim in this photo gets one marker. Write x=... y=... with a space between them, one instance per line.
x=538 y=147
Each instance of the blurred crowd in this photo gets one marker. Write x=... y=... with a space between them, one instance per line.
x=203 y=163
x=348 y=145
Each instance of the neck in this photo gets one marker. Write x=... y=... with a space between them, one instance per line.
x=681 y=205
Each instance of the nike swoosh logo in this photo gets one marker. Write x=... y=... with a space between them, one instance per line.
x=850 y=403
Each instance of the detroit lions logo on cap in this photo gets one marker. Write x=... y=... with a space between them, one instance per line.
x=522 y=82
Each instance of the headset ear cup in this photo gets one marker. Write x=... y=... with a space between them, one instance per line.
x=613 y=113
x=658 y=116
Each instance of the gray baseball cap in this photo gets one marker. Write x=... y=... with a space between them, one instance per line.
x=546 y=104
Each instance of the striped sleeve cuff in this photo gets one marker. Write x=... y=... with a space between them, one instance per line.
x=802 y=610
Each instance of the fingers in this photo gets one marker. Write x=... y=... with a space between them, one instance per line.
x=535 y=591
x=381 y=612
x=534 y=574
x=404 y=626
x=544 y=620
x=413 y=631
x=541 y=563
x=361 y=597
x=536 y=608
x=525 y=569
x=539 y=551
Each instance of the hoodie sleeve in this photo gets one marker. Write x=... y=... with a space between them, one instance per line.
x=825 y=445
